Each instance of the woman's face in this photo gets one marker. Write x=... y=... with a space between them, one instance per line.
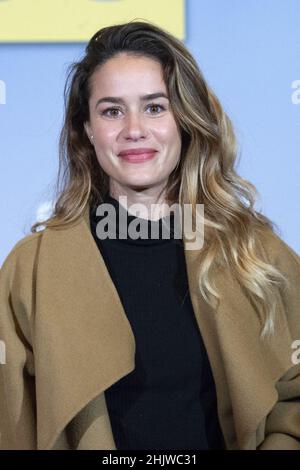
x=124 y=117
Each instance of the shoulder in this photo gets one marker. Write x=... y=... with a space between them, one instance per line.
x=22 y=256
x=280 y=254
x=17 y=278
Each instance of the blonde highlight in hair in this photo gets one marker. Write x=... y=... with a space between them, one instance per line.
x=205 y=173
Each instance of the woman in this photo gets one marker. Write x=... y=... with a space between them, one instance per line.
x=149 y=343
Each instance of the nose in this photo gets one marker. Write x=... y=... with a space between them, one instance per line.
x=134 y=127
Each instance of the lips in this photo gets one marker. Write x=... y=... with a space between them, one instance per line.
x=138 y=151
x=139 y=155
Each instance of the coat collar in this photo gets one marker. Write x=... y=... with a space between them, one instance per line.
x=84 y=340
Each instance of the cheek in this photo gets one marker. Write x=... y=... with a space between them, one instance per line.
x=168 y=134
x=105 y=137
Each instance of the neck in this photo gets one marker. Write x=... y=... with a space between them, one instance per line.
x=147 y=203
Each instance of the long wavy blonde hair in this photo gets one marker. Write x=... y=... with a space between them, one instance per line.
x=205 y=174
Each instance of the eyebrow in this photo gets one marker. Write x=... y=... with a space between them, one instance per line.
x=114 y=99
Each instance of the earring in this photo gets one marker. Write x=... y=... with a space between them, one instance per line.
x=92 y=139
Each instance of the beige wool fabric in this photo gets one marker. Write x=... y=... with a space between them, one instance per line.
x=68 y=339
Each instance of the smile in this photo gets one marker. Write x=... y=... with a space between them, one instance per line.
x=139 y=158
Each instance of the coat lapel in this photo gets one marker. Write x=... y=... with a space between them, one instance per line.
x=85 y=343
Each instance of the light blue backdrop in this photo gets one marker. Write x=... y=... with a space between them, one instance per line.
x=249 y=52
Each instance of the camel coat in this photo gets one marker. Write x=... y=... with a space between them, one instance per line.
x=67 y=339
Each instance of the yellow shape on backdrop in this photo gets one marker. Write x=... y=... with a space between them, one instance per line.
x=78 y=20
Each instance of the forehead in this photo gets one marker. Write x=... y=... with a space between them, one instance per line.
x=127 y=74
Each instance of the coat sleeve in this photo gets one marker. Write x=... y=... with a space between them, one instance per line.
x=282 y=428
x=17 y=381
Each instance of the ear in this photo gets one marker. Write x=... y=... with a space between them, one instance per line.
x=88 y=131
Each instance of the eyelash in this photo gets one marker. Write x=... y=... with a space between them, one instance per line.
x=104 y=112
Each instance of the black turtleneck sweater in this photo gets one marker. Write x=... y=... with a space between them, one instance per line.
x=168 y=401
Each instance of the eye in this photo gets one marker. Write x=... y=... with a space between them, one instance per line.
x=110 y=112
x=156 y=106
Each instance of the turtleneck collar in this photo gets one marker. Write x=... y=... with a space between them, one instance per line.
x=153 y=231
